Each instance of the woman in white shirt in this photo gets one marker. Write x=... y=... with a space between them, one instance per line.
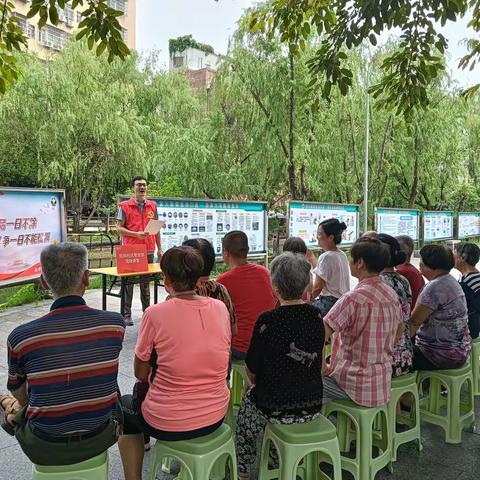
x=332 y=275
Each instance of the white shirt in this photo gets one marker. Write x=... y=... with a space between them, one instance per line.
x=333 y=269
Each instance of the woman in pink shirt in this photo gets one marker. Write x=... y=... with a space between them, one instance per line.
x=188 y=396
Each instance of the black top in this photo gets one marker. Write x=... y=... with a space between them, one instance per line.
x=470 y=284
x=285 y=354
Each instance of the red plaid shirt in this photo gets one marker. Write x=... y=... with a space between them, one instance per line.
x=365 y=321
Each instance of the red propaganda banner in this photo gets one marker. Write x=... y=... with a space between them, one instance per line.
x=131 y=258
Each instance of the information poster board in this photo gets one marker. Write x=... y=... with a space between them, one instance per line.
x=30 y=219
x=437 y=225
x=304 y=218
x=397 y=221
x=187 y=218
x=468 y=224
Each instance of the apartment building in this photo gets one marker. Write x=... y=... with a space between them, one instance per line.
x=53 y=38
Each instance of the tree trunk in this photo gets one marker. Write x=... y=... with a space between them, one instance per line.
x=292 y=176
x=414 y=189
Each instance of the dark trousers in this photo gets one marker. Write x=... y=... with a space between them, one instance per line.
x=42 y=451
x=144 y=293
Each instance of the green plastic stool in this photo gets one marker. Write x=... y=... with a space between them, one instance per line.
x=198 y=457
x=475 y=360
x=312 y=441
x=239 y=380
x=95 y=468
x=363 y=466
x=459 y=415
x=400 y=386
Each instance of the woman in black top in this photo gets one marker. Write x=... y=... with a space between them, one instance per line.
x=467 y=256
x=284 y=361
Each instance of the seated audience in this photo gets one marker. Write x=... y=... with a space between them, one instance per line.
x=62 y=369
x=440 y=317
x=206 y=287
x=284 y=361
x=367 y=322
x=332 y=278
x=249 y=287
x=403 y=349
x=188 y=396
x=467 y=256
x=409 y=271
x=297 y=245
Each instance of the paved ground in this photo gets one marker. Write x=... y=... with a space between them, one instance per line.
x=438 y=460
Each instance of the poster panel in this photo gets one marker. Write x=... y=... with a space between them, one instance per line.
x=468 y=224
x=187 y=218
x=30 y=219
x=304 y=218
x=397 y=221
x=437 y=225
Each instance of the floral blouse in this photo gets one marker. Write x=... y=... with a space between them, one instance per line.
x=403 y=349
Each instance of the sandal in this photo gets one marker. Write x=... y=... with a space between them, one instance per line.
x=7 y=404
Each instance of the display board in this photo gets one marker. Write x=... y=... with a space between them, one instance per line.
x=211 y=219
x=397 y=221
x=437 y=225
x=30 y=219
x=304 y=218
x=468 y=224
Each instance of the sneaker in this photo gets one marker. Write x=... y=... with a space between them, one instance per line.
x=128 y=320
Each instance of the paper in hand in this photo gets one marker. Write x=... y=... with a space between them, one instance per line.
x=153 y=227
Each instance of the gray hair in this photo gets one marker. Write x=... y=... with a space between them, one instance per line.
x=291 y=275
x=63 y=265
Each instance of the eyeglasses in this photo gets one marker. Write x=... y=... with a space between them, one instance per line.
x=140 y=184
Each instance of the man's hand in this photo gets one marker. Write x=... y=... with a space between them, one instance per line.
x=142 y=234
x=163 y=224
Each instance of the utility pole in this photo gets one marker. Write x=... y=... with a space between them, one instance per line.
x=367 y=138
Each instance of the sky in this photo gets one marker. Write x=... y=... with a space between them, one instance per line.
x=213 y=22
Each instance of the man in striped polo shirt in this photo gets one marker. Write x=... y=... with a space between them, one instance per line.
x=62 y=368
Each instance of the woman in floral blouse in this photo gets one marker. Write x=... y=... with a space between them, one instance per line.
x=403 y=350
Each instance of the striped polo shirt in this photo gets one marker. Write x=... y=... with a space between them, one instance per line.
x=69 y=359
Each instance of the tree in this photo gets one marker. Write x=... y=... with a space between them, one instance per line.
x=69 y=131
x=407 y=72
x=100 y=26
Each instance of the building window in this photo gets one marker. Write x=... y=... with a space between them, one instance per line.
x=117 y=5
x=53 y=37
x=177 y=62
x=27 y=28
x=79 y=17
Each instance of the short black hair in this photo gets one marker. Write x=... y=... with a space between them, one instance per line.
x=373 y=252
x=138 y=177
x=205 y=248
x=295 y=245
x=333 y=226
x=468 y=252
x=407 y=244
x=184 y=266
x=236 y=243
x=437 y=257
x=397 y=255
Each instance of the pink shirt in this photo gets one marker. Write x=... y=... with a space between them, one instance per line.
x=192 y=341
x=365 y=321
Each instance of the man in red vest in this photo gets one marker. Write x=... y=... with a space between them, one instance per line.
x=133 y=216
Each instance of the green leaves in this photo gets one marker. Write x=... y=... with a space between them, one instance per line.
x=346 y=25
x=100 y=25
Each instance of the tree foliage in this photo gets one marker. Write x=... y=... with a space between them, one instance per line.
x=180 y=44
x=99 y=26
x=344 y=25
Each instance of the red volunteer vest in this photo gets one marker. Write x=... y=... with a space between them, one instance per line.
x=136 y=222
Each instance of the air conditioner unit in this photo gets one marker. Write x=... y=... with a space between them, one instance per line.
x=70 y=22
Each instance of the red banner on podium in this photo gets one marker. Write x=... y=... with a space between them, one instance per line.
x=131 y=258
